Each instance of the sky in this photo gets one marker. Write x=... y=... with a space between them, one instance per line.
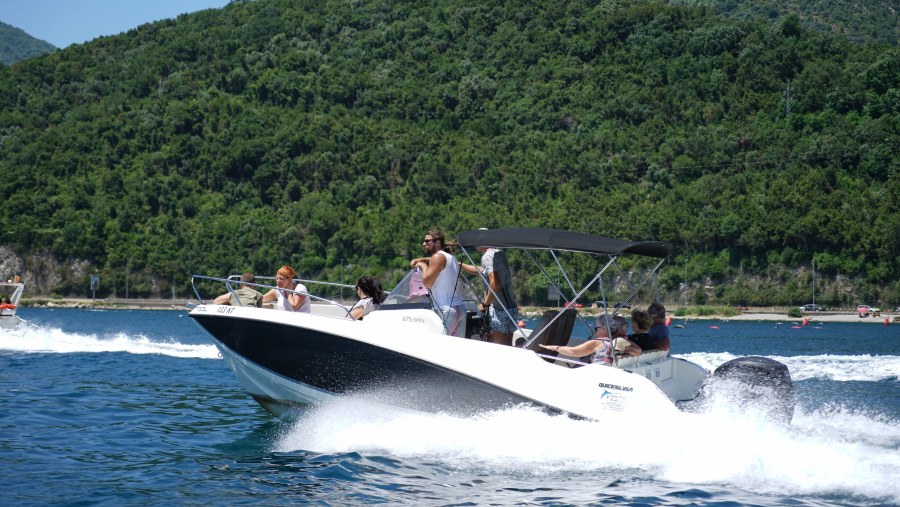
x=65 y=22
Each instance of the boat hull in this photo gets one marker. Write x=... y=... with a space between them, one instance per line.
x=286 y=360
x=294 y=365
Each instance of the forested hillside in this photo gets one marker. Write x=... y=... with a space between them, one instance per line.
x=330 y=135
x=16 y=45
x=861 y=20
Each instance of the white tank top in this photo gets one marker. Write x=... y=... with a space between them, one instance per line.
x=283 y=304
x=444 y=288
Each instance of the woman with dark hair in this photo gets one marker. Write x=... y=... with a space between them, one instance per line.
x=370 y=296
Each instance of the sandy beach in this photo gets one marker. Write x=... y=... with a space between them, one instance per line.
x=817 y=317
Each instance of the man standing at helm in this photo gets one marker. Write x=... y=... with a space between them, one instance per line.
x=502 y=309
x=440 y=269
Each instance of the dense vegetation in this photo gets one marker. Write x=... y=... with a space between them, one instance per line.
x=330 y=135
x=16 y=45
x=861 y=21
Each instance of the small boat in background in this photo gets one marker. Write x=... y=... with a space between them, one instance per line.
x=10 y=294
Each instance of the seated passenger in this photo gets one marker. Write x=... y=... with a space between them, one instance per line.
x=599 y=346
x=244 y=296
x=659 y=331
x=640 y=324
x=370 y=296
x=283 y=296
x=621 y=344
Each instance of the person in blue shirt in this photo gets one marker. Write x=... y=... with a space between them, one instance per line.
x=659 y=331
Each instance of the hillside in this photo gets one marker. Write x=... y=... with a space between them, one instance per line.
x=860 y=21
x=331 y=137
x=16 y=45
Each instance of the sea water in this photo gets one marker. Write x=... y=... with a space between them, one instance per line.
x=131 y=407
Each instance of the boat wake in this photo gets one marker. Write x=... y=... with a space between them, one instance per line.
x=834 y=451
x=841 y=368
x=40 y=339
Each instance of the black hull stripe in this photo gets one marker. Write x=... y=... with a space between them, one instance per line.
x=344 y=366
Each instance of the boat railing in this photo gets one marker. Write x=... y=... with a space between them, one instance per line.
x=232 y=283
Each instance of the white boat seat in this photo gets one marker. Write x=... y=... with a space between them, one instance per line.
x=645 y=358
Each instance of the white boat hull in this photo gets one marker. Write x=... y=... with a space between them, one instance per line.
x=401 y=358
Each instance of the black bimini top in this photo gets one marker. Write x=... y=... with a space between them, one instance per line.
x=553 y=239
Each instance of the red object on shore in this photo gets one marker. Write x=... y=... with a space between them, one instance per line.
x=668 y=321
x=886 y=321
x=805 y=321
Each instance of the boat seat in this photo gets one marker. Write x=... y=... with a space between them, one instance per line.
x=552 y=333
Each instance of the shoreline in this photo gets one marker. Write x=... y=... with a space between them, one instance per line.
x=106 y=304
x=814 y=318
x=767 y=314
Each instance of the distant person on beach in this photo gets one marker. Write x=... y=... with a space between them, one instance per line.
x=495 y=268
x=599 y=346
x=370 y=296
x=246 y=295
x=440 y=269
x=284 y=297
x=659 y=331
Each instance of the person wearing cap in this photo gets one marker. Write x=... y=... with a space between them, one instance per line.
x=599 y=346
x=246 y=295
x=502 y=309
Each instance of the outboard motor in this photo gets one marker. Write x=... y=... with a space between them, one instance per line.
x=753 y=383
x=478 y=326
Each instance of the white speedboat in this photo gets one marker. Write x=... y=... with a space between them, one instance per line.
x=10 y=294
x=400 y=355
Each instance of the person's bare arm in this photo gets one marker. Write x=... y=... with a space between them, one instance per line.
x=432 y=269
x=468 y=268
x=588 y=347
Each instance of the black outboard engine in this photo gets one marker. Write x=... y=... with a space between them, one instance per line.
x=478 y=326
x=754 y=383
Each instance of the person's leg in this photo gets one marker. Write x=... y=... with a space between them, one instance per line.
x=456 y=321
x=502 y=328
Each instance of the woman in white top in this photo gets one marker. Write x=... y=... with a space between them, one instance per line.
x=283 y=296
x=370 y=296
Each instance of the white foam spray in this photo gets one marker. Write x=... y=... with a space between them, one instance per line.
x=842 y=368
x=828 y=452
x=30 y=338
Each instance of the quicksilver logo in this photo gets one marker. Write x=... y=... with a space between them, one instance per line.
x=613 y=386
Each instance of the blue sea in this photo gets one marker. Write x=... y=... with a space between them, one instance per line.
x=134 y=407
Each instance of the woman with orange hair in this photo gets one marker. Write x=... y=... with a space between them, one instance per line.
x=284 y=296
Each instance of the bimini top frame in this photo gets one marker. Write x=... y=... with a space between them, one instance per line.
x=528 y=238
x=553 y=239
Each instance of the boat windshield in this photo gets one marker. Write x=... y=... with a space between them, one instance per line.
x=412 y=293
